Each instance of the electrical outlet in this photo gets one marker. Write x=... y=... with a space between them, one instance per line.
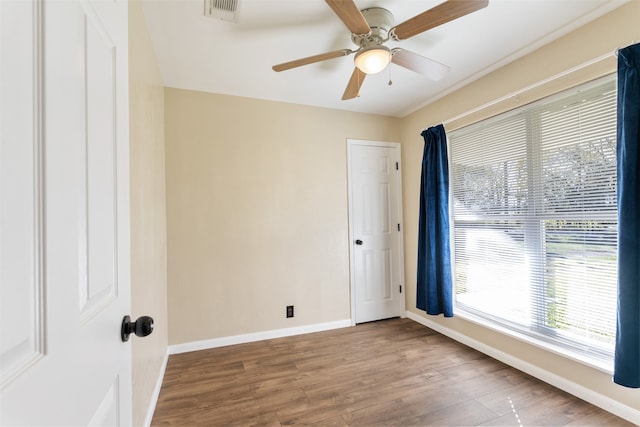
x=289 y=311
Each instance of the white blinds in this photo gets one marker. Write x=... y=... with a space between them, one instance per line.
x=535 y=217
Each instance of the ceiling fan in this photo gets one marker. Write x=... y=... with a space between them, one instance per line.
x=372 y=27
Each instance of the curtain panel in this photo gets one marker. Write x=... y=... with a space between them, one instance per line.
x=434 y=286
x=627 y=351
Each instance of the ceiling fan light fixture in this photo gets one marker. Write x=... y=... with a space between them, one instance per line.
x=373 y=59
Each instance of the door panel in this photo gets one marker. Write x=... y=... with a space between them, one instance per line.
x=66 y=210
x=107 y=412
x=21 y=292
x=386 y=275
x=375 y=198
x=99 y=285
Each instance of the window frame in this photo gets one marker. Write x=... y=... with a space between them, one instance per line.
x=541 y=335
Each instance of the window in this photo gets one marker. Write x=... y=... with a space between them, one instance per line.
x=535 y=218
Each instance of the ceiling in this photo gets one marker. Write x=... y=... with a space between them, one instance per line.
x=202 y=53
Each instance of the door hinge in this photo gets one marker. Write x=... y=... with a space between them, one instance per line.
x=398 y=227
x=397 y=166
x=400 y=288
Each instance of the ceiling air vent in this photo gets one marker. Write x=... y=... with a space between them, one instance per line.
x=225 y=10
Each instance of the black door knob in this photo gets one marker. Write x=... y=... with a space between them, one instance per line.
x=142 y=327
x=358 y=242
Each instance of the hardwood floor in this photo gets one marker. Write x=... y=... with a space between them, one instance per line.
x=392 y=372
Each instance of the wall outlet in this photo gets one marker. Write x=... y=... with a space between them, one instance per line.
x=289 y=311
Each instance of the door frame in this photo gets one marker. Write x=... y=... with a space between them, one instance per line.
x=369 y=143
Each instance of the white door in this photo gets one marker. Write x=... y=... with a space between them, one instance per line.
x=64 y=213
x=375 y=199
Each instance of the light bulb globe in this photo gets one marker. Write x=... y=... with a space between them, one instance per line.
x=373 y=59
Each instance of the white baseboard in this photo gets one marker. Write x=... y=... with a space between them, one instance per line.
x=608 y=404
x=256 y=336
x=156 y=390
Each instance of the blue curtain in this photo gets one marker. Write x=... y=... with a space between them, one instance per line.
x=434 y=293
x=627 y=355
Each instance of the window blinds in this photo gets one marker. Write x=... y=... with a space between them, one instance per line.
x=535 y=218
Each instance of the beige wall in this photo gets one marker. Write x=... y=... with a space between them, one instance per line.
x=148 y=211
x=617 y=29
x=257 y=212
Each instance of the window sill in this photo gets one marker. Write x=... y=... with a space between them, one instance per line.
x=594 y=363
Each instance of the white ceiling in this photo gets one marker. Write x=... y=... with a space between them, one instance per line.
x=206 y=54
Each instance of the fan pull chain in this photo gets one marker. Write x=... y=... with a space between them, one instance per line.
x=358 y=77
x=390 y=82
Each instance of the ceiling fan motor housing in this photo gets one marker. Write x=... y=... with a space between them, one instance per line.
x=380 y=21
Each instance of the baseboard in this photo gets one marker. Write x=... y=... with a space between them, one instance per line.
x=256 y=336
x=156 y=390
x=608 y=404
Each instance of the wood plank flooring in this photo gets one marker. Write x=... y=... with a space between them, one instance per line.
x=392 y=372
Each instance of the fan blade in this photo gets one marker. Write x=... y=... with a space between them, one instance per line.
x=418 y=63
x=349 y=13
x=441 y=14
x=355 y=82
x=312 y=59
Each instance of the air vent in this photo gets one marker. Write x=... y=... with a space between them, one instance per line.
x=225 y=10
